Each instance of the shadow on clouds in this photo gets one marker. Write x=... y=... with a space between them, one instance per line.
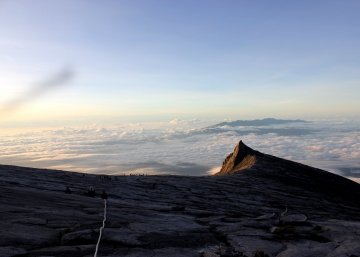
x=55 y=81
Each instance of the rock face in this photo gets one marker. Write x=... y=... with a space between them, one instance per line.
x=257 y=205
x=242 y=158
x=248 y=162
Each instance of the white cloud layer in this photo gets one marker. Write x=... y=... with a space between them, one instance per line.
x=180 y=147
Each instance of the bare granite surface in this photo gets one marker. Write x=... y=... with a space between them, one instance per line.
x=257 y=205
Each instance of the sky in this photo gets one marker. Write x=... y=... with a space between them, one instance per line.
x=153 y=60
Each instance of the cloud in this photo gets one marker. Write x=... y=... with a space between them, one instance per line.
x=353 y=172
x=128 y=148
x=214 y=170
x=242 y=131
x=154 y=167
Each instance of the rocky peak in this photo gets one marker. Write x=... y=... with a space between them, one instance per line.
x=247 y=162
x=243 y=157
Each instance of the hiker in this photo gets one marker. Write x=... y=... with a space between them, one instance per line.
x=104 y=195
x=68 y=190
x=91 y=191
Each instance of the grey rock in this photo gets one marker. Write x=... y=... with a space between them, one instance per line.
x=9 y=251
x=78 y=250
x=238 y=212
x=293 y=218
x=249 y=245
x=80 y=236
x=266 y=216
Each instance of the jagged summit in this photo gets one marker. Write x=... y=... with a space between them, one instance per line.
x=243 y=157
x=246 y=162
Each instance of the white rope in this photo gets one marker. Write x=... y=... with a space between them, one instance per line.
x=101 y=230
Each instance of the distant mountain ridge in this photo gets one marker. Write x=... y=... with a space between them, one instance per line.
x=258 y=122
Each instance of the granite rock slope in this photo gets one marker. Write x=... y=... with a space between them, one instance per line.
x=257 y=205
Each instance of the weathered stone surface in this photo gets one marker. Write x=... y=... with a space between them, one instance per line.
x=11 y=251
x=80 y=236
x=78 y=250
x=258 y=205
x=307 y=249
x=18 y=234
x=250 y=244
x=293 y=218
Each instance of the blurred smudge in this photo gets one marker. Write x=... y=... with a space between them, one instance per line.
x=58 y=80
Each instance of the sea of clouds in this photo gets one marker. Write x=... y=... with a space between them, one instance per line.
x=183 y=147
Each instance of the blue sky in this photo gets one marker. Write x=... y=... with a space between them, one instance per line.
x=204 y=59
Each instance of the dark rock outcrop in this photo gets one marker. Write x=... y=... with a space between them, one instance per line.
x=257 y=205
x=248 y=162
